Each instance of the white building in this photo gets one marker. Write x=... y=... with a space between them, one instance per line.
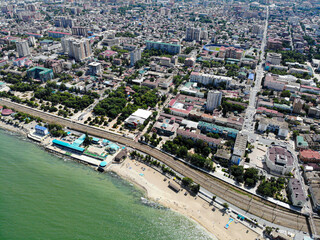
x=32 y=41
x=95 y=68
x=239 y=148
x=296 y=193
x=23 y=48
x=135 y=56
x=213 y=100
x=274 y=58
x=207 y=79
x=77 y=49
x=273 y=125
x=138 y=118
x=196 y=34
x=279 y=160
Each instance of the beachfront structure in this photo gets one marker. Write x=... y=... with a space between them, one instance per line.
x=166 y=47
x=41 y=73
x=67 y=146
x=279 y=160
x=209 y=127
x=207 y=79
x=40 y=130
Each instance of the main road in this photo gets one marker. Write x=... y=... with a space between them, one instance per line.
x=252 y=204
x=248 y=125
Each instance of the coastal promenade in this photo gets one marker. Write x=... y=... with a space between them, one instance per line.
x=249 y=203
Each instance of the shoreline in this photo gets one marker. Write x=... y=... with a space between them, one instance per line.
x=194 y=208
x=153 y=191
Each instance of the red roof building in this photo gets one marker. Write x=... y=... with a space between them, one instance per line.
x=309 y=156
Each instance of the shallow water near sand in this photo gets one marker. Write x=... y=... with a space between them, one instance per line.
x=46 y=197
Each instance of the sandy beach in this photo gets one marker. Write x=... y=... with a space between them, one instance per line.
x=12 y=128
x=210 y=217
x=156 y=189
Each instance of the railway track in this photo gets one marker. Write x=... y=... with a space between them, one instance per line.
x=252 y=204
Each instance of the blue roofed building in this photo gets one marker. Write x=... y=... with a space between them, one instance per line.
x=209 y=127
x=68 y=147
x=40 y=130
x=41 y=73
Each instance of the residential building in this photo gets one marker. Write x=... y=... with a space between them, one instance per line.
x=297 y=105
x=212 y=142
x=135 y=56
x=230 y=52
x=64 y=22
x=23 y=48
x=77 y=49
x=167 y=127
x=41 y=73
x=301 y=143
x=213 y=128
x=196 y=34
x=55 y=34
x=207 y=79
x=32 y=41
x=165 y=47
x=309 y=156
x=314 y=190
x=80 y=31
x=279 y=160
x=275 y=125
x=274 y=44
x=95 y=68
x=213 y=100
x=274 y=58
x=239 y=148
x=296 y=193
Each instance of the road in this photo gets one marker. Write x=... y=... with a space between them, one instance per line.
x=252 y=204
x=248 y=125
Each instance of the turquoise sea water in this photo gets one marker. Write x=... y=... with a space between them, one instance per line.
x=45 y=197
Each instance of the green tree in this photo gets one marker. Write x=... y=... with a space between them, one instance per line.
x=87 y=140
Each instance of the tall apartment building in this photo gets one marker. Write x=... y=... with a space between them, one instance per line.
x=166 y=47
x=80 y=31
x=32 y=41
x=135 y=56
x=297 y=105
x=64 y=22
x=23 y=48
x=77 y=49
x=213 y=100
x=196 y=34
